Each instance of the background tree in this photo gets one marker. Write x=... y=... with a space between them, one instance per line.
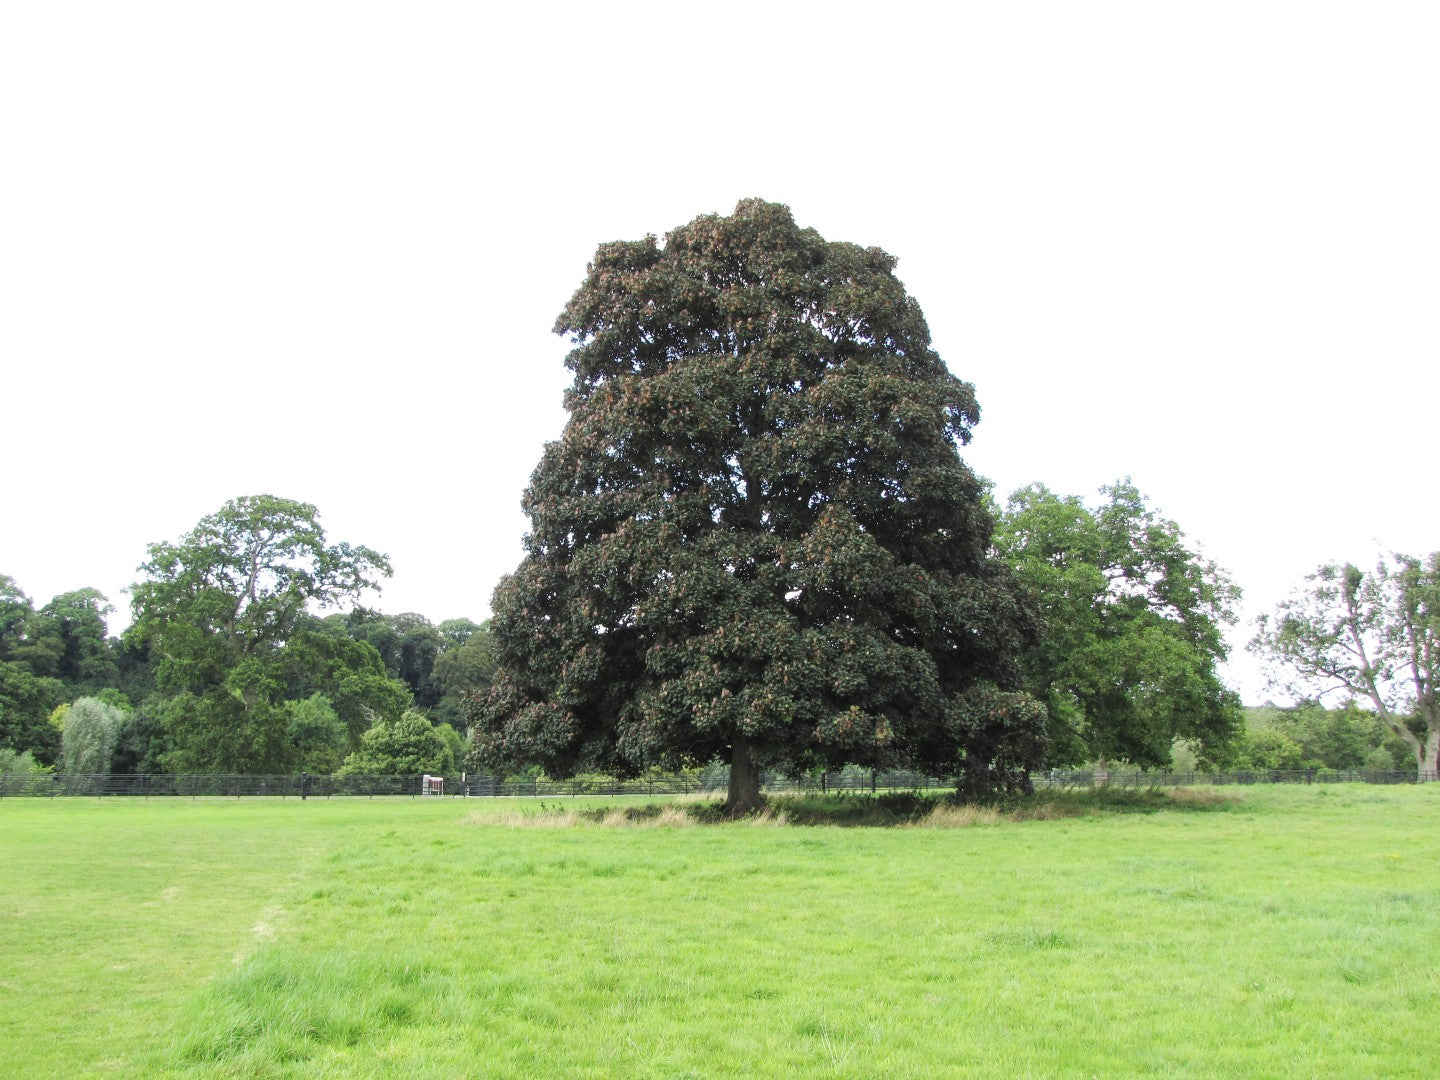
x=25 y=706
x=408 y=645
x=349 y=673
x=409 y=745
x=92 y=730
x=218 y=611
x=467 y=667
x=13 y=764
x=1131 y=634
x=86 y=658
x=15 y=610
x=458 y=631
x=319 y=736
x=755 y=538
x=1310 y=736
x=1375 y=636
x=238 y=585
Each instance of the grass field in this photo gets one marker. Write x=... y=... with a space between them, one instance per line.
x=1290 y=933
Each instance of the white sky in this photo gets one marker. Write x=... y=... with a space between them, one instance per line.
x=316 y=249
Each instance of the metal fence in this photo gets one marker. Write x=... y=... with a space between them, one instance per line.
x=304 y=786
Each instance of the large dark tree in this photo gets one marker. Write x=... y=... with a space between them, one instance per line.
x=755 y=538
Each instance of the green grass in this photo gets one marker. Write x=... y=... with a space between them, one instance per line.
x=1290 y=933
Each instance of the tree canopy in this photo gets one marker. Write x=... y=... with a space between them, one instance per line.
x=227 y=617
x=756 y=538
x=238 y=584
x=1132 y=622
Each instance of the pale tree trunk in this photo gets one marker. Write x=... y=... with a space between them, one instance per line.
x=1102 y=771
x=744 y=794
x=1430 y=761
x=1424 y=752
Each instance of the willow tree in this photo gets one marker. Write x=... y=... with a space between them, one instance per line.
x=755 y=539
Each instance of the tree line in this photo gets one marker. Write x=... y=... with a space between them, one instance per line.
x=755 y=542
x=233 y=664
x=1124 y=661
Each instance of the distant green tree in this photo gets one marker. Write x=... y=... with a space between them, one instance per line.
x=1268 y=748
x=238 y=585
x=86 y=657
x=468 y=666
x=26 y=702
x=400 y=747
x=218 y=612
x=319 y=736
x=216 y=732
x=1372 y=635
x=1131 y=627
x=1343 y=738
x=455 y=746
x=92 y=730
x=463 y=670
x=15 y=611
x=349 y=673
x=458 y=631
x=140 y=744
x=407 y=644
x=64 y=640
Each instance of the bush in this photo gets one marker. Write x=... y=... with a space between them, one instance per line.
x=13 y=764
x=403 y=747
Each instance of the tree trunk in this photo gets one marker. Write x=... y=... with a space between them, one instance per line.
x=744 y=794
x=1431 y=758
x=1102 y=771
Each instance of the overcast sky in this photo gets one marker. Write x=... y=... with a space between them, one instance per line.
x=316 y=249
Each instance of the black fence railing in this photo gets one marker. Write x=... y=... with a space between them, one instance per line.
x=304 y=786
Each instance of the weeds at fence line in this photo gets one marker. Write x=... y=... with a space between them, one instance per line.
x=304 y=786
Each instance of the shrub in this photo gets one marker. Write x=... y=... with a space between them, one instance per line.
x=13 y=764
x=400 y=747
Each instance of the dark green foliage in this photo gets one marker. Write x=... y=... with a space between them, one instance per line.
x=25 y=705
x=318 y=734
x=48 y=657
x=238 y=585
x=469 y=665
x=1132 y=622
x=76 y=621
x=350 y=674
x=408 y=646
x=216 y=732
x=139 y=743
x=15 y=612
x=755 y=539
